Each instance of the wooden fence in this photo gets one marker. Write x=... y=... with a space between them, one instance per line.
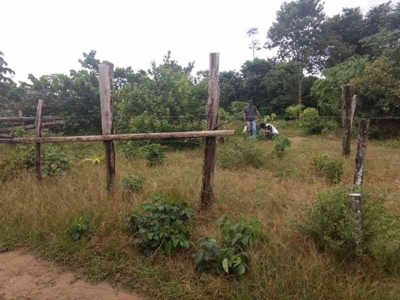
x=108 y=136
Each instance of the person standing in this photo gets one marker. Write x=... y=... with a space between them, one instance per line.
x=250 y=115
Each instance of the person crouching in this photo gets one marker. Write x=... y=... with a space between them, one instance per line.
x=269 y=130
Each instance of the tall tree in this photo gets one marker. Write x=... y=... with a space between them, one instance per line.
x=5 y=72
x=298 y=35
x=231 y=88
x=252 y=33
x=253 y=73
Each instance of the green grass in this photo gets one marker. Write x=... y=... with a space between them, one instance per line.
x=34 y=216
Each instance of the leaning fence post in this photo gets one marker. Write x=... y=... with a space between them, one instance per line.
x=346 y=118
x=105 y=77
x=38 y=126
x=361 y=152
x=206 y=196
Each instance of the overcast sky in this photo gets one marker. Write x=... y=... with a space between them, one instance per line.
x=49 y=36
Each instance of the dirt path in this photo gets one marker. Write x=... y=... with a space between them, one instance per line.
x=24 y=277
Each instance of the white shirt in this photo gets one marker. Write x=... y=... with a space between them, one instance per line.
x=274 y=130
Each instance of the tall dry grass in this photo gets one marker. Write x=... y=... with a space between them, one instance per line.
x=35 y=216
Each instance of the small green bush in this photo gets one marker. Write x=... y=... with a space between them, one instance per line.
x=55 y=162
x=294 y=111
x=331 y=226
x=79 y=227
x=230 y=257
x=311 y=121
x=281 y=145
x=242 y=154
x=237 y=109
x=155 y=154
x=132 y=183
x=164 y=223
x=330 y=168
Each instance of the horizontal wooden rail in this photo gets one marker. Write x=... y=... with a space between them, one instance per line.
x=24 y=119
x=26 y=127
x=120 y=137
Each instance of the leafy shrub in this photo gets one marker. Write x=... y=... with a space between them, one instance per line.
x=281 y=145
x=294 y=111
x=311 y=121
x=242 y=154
x=132 y=183
x=22 y=158
x=330 y=126
x=163 y=223
x=331 y=226
x=331 y=168
x=55 y=161
x=237 y=109
x=155 y=154
x=79 y=227
x=130 y=149
x=231 y=257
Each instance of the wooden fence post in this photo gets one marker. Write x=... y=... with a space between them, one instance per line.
x=353 y=109
x=355 y=209
x=20 y=113
x=105 y=84
x=38 y=126
x=206 y=196
x=346 y=118
x=361 y=152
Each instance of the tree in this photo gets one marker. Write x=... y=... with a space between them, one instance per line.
x=254 y=44
x=384 y=43
x=253 y=73
x=378 y=18
x=5 y=72
x=328 y=89
x=297 y=33
x=231 y=88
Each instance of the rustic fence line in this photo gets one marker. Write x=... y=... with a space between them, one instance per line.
x=108 y=136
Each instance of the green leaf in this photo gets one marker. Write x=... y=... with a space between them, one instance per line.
x=225 y=265
x=198 y=256
x=242 y=269
x=168 y=247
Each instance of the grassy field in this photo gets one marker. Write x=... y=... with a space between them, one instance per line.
x=34 y=216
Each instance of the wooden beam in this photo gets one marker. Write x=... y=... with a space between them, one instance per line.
x=119 y=137
x=38 y=125
x=6 y=136
x=207 y=193
x=26 y=127
x=105 y=86
x=346 y=118
x=361 y=152
x=26 y=119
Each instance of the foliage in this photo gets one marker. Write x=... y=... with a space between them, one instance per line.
x=231 y=88
x=155 y=154
x=378 y=87
x=242 y=154
x=331 y=226
x=236 y=109
x=332 y=169
x=255 y=43
x=55 y=162
x=294 y=111
x=164 y=223
x=132 y=183
x=5 y=71
x=328 y=90
x=281 y=145
x=311 y=121
x=79 y=228
x=230 y=257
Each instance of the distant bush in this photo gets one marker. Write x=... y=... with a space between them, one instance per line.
x=312 y=121
x=130 y=149
x=331 y=226
x=294 y=111
x=155 y=154
x=237 y=109
x=242 y=154
x=330 y=168
x=132 y=183
x=164 y=223
x=230 y=257
x=55 y=162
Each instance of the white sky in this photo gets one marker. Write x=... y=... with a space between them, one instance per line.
x=49 y=36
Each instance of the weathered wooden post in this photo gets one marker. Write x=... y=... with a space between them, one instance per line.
x=355 y=209
x=346 y=118
x=353 y=109
x=361 y=152
x=206 y=196
x=38 y=126
x=20 y=113
x=105 y=84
